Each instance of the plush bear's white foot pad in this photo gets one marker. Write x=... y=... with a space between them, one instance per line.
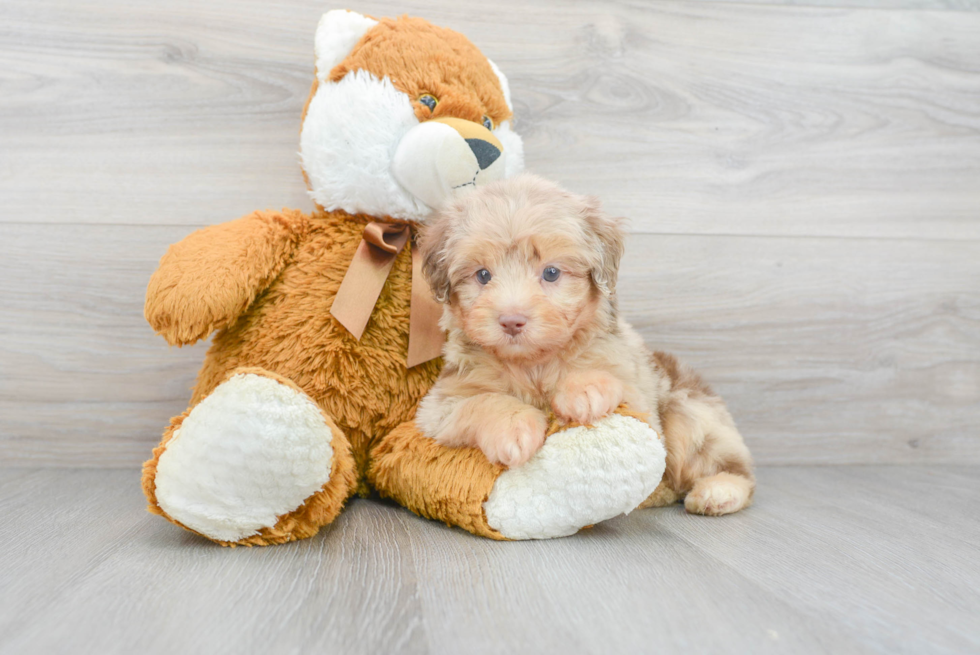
x=580 y=476
x=250 y=452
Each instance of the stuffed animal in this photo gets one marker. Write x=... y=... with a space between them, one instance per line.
x=326 y=337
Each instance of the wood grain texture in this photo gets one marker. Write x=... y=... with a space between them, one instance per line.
x=842 y=560
x=689 y=117
x=923 y=5
x=803 y=185
x=827 y=350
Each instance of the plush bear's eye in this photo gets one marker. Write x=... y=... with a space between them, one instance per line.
x=483 y=276
x=550 y=274
x=487 y=123
x=429 y=101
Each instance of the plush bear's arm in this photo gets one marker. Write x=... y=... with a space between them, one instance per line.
x=207 y=280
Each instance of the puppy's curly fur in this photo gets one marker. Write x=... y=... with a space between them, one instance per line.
x=527 y=272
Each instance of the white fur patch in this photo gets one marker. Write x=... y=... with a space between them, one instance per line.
x=503 y=83
x=348 y=142
x=431 y=160
x=513 y=149
x=353 y=130
x=581 y=476
x=434 y=163
x=249 y=453
x=336 y=35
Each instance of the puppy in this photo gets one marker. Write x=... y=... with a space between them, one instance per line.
x=527 y=273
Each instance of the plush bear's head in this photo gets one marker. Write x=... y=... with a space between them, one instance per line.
x=403 y=115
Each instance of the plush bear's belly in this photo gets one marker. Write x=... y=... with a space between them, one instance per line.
x=364 y=385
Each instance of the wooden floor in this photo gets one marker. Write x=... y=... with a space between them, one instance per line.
x=829 y=560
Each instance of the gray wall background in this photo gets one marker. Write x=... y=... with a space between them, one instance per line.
x=802 y=179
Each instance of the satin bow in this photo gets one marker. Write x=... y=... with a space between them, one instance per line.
x=365 y=278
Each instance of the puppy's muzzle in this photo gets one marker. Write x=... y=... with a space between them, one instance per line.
x=441 y=157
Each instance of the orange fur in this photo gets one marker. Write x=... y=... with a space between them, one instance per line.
x=264 y=285
x=208 y=279
x=445 y=484
x=572 y=355
x=443 y=63
x=287 y=331
x=363 y=385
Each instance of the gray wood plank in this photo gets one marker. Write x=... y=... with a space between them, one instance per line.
x=91 y=569
x=689 y=117
x=605 y=591
x=886 y=5
x=828 y=560
x=842 y=349
x=827 y=350
x=865 y=564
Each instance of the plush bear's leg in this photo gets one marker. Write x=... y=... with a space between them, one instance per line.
x=446 y=484
x=582 y=475
x=256 y=462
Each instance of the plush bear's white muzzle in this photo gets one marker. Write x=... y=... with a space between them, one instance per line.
x=442 y=157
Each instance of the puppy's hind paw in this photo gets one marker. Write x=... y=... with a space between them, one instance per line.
x=719 y=494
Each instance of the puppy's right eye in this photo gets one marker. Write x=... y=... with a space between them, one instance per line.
x=483 y=276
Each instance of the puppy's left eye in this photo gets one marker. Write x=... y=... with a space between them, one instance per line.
x=550 y=274
x=483 y=276
x=487 y=123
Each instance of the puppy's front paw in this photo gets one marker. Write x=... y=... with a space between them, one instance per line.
x=588 y=396
x=513 y=440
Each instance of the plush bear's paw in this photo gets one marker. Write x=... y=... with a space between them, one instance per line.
x=581 y=476
x=587 y=396
x=251 y=452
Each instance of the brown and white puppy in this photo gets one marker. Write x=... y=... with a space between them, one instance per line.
x=527 y=272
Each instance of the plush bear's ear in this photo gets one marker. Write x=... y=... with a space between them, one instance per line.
x=337 y=33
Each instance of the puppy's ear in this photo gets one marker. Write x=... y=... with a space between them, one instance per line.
x=608 y=240
x=435 y=255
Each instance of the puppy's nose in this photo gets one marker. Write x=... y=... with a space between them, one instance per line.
x=513 y=323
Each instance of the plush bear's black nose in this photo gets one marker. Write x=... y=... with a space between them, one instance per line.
x=486 y=153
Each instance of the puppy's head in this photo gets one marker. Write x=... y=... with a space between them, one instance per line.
x=524 y=266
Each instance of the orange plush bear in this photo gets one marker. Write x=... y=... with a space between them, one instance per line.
x=325 y=334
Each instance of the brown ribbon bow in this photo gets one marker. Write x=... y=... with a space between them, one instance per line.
x=365 y=278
